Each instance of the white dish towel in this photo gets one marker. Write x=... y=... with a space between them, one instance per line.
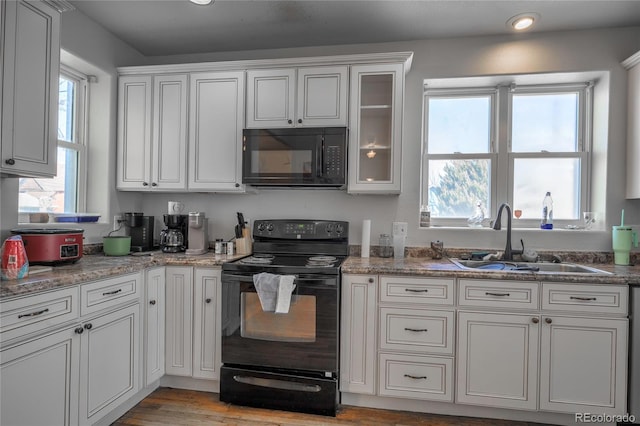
x=274 y=291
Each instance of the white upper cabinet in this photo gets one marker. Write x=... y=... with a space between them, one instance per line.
x=152 y=133
x=375 y=139
x=633 y=126
x=29 y=95
x=216 y=117
x=312 y=96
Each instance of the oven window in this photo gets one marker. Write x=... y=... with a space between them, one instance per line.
x=281 y=162
x=299 y=325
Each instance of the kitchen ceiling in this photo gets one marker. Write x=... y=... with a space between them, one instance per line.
x=168 y=27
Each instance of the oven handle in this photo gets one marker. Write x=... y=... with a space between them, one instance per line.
x=300 y=279
x=277 y=384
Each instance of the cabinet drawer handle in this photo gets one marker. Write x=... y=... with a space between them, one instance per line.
x=584 y=299
x=413 y=290
x=416 y=377
x=10 y=161
x=497 y=294
x=109 y=293
x=416 y=329
x=33 y=314
x=152 y=302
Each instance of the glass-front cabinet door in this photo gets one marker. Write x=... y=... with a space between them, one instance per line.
x=376 y=128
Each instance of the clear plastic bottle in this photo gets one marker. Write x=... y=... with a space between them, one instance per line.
x=547 y=212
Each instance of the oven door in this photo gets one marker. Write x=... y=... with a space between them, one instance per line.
x=305 y=338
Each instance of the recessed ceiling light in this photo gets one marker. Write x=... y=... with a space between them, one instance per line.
x=523 y=21
x=201 y=2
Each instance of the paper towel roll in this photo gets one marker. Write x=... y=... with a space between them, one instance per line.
x=366 y=238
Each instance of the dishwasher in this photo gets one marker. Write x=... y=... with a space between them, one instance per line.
x=634 y=353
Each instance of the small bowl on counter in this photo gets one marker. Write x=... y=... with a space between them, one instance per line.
x=116 y=245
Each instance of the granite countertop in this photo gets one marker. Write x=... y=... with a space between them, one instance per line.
x=98 y=266
x=425 y=266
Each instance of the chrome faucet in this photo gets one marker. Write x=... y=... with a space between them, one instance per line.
x=508 y=251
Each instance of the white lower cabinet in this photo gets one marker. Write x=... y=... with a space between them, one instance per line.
x=193 y=317
x=154 y=312
x=397 y=337
x=498 y=359
x=39 y=381
x=544 y=347
x=567 y=355
x=71 y=367
x=109 y=362
x=358 y=334
x=582 y=365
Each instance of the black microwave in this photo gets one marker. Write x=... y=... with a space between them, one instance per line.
x=303 y=157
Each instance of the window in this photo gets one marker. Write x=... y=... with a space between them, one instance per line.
x=485 y=146
x=65 y=192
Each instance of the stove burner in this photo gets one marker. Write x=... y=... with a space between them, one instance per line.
x=320 y=261
x=323 y=259
x=257 y=259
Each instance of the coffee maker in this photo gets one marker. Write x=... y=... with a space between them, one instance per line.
x=140 y=230
x=174 y=238
x=198 y=236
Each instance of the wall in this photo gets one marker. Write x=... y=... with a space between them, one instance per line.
x=598 y=50
x=576 y=51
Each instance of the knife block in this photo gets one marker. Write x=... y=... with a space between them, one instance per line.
x=243 y=245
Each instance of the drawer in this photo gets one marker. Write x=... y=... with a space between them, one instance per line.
x=592 y=298
x=496 y=294
x=416 y=377
x=111 y=292
x=31 y=314
x=417 y=330
x=438 y=291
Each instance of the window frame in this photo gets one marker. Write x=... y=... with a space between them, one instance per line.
x=80 y=121
x=501 y=156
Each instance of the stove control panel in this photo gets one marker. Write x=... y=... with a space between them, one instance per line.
x=301 y=229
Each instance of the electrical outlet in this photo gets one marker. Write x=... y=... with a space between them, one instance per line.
x=400 y=229
x=117 y=219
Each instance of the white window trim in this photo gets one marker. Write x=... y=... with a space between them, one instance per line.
x=501 y=185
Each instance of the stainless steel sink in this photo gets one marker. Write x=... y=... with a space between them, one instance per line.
x=539 y=267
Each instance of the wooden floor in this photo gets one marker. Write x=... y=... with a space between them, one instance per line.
x=175 y=407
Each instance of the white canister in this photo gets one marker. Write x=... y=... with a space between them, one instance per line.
x=230 y=248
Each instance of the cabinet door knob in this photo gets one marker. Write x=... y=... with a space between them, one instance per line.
x=79 y=330
x=88 y=326
x=548 y=320
x=237 y=185
x=145 y=184
x=371 y=280
x=10 y=161
x=208 y=300
x=152 y=302
x=154 y=184
x=535 y=320
x=299 y=120
x=290 y=121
